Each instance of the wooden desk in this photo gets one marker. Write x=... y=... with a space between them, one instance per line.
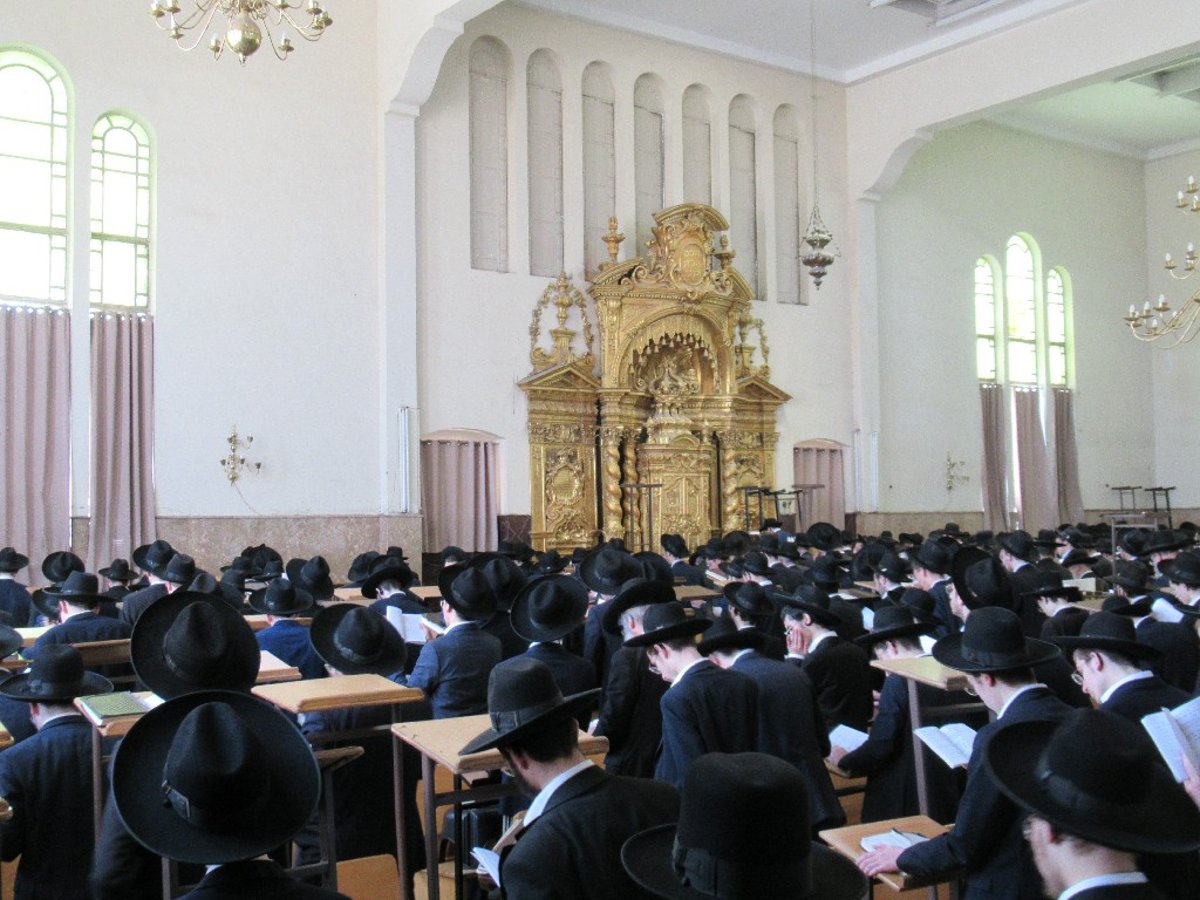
x=29 y=636
x=272 y=669
x=345 y=691
x=1092 y=603
x=848 y=842
x=438 y=741
x=695 y=592
x=924 y=670
x=426 y=592
x=343 y=594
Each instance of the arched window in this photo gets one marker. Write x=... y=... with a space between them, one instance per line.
x=1020 y=288
x=488 y=114
x=697 y=146
x=599 y=162
x=544 y=91
x=1057 y=299
x=743 y=189
x=787 y=204
x=120 y=212
x=986 y=313
x=648 y=164
x=33 y=179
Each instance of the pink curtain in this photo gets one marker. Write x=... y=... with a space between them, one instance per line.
x=995 y=458
x=1066 y=457
x=821 y=462
x=459 y=494
x=35 y=436
x=1038 y=505
x=122 y=498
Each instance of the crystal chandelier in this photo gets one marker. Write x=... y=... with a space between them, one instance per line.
x=245 y=23
x=1156 y=321
x=818 y=259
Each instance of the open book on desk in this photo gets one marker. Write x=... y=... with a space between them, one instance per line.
x=893 y=838
x=413 y=627
x=847 y=738
x=1176 y=733
x=952 y=742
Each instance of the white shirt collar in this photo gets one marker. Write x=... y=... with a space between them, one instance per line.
x=208 y=870
x=742 y=653
x=7 y=576
x=1136 y=676
x=817 y=643
x=450 y=628
x=538 y=806
x=1102 y=881
x=686 y=669
x=1018 y=693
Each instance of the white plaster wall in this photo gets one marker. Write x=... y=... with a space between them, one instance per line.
x=1176 y=372
x=266 y=254
x=474 y=343
x=963 y=195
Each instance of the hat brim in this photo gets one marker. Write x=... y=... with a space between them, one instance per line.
x=20 y=687
x=1132 y=649
x=948 y=651
x=15 y=563
x=1151 y=825
x=742 y=639
x=915 y=629
x=647 y=859
x=401 y=573
x=687 y=628
x=75 y=599
x=446 y=578
x=587 y=571
x=642 y=592
x=304 y=602
x=392 y=654
x=826 y=618
x=571 y=707
x=137 y=776
x=149 y=635
x=570 y=617
x=10 y=641
x=122 y=577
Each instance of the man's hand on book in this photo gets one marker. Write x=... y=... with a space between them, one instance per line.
x=1191 y=784
x=879 y=861
x=836 y=754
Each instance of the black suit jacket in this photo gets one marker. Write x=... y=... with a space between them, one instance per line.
x=1023 y=581
x=573 y=850
x=48 y=781
x=1120 y=892
x=841 y=673
x=135 y=604
x=572 y=673
x=453 y=670
x=1144 y=696
x=790 y=727
x=14 y=602
x=986 y=839
x=947 y=621
x=500 y=626
x=257 y=880
x=689 y=574
x=1177 y=641
x=709 y=711
x=598 y=645
x=1065 y=623
x=630 y=714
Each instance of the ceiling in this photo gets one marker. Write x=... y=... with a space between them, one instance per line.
x=1151 y=115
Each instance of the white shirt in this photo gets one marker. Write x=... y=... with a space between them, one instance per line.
x=1146 y=673
x=1103 y=881
x=742 y=653
x=1020 y=691
x=695 y=662
x=538 y=806
x=817 y=643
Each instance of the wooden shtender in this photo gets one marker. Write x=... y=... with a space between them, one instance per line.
x=695 y=592
x=344 y=594
x=335 y=693
x=272 y=669
x=924 y=670
x=848 y=842
x=441 y=739
x=258 y=621
x=426 y=591
x=29 y=636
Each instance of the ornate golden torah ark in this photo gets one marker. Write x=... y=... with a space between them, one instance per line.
x=667 y=412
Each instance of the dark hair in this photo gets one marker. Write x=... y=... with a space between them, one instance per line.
x=679 y=643
x=556 y=740
x=1014 y=677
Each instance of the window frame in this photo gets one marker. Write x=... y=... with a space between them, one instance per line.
x=143 y=237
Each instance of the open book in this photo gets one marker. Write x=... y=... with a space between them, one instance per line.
x=952 y=742
x=847 y=737
x=892 y=838
x=489 y=861
x=1176 y=733
x=104 y=707
x=413 y=626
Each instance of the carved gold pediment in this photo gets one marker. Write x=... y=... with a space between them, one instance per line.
x=755 y=388
x=572 y=376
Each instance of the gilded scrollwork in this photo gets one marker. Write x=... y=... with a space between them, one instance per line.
x=564 y=296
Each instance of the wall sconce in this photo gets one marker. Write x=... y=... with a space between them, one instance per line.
x=235 y=464
x=954 y=476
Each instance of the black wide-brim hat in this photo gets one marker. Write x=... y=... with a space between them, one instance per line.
x=292 y=791
x=282 y=598
x=235 y=668
x=992 y=641
x=605 y=570
x=636 y=592
x=1108 y=631
x=522 y=699
x=10 y=641
x=963 y=560
x=549 y=608
x=666 y=622
x=311 y=575
x=808 y=598
x=150 y=556
x=749 y=598
x=12 y=561
x=387 y=651
x=58 y=566
x=723 y=636
x=387 y=568
x=474 y=598
x=118 y=570
x=647 y=857
x=891 y=623
x=1095 y=775
x=55 y=676
x=79 y=588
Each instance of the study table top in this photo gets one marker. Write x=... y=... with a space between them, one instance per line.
x=441 y=739
x=848 y=842
x=695 y=592
x=342 y=692
x=924 y=670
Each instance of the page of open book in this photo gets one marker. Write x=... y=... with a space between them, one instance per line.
x=847 y=737
x=893 y=838
x=489 y=860
x=1176 y=733
x=944 y=746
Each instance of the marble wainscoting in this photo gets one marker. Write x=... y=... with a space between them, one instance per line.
x=922 y=522
x=214 y=541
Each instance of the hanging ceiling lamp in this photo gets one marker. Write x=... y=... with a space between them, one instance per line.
x=246 y=22
x=818 y=258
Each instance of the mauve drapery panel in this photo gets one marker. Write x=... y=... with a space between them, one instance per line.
x=1066 y=457
x=821 y=465
x=1039 y=507
x=995 y=457
x=35 y=405
x=459 y=494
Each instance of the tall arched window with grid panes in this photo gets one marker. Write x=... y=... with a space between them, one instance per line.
x=34 y=149
x=490 y=67
x=1058 y=295
x=697 y=145
x=121 y=205
x=987 y=316
x=599 y=161
x=1021 y=311
x=743 y=188
x=787 y=205
x=649 y=174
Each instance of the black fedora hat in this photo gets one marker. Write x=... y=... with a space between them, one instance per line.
x=118 y=570
x=1116 y=792
x=187 y=641
x=357 y=640
x=467 y=589
x=1166 y=541
x=1122 y=606
x=1131 y=575
x=755 y=562
x=1079 y=556
x=810 y=599
x=891 y=567
x=1108 y=631
x=1019 y=543
x=149 y=557
x=551 y=562
x=214 y=777
x=10 y=641
x=1050 y=584
x=282 y=598
x=826 y=573
x=654 y=566
x=934 y=556
x=743 y=832
x=635 y=592
x=452 y=553
x=980 y=579
x=992 y=641
x=79 y=588
x=55 y=676
x=523 y=698
x=549 y=608
x=180 y=569
x=748 y=597
x=387 y=568
x=261 y=555
x=675 y=545
x=1183 y=569
x=59 y=564
x=605 y=570
x=360 y=568
x=311 y=575
x=892 y=622
x=725 y=636
x=823 y=535
x=920 y=603
x=504 y=575
x=12 y=561
x=242 y=566
x=227 y=590
x=665 y=622
x=518 y=551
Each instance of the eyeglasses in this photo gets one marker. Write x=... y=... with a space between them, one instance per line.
x=970 y=691
x=1027 y=827
x=654 y=669
x=1077 y=677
